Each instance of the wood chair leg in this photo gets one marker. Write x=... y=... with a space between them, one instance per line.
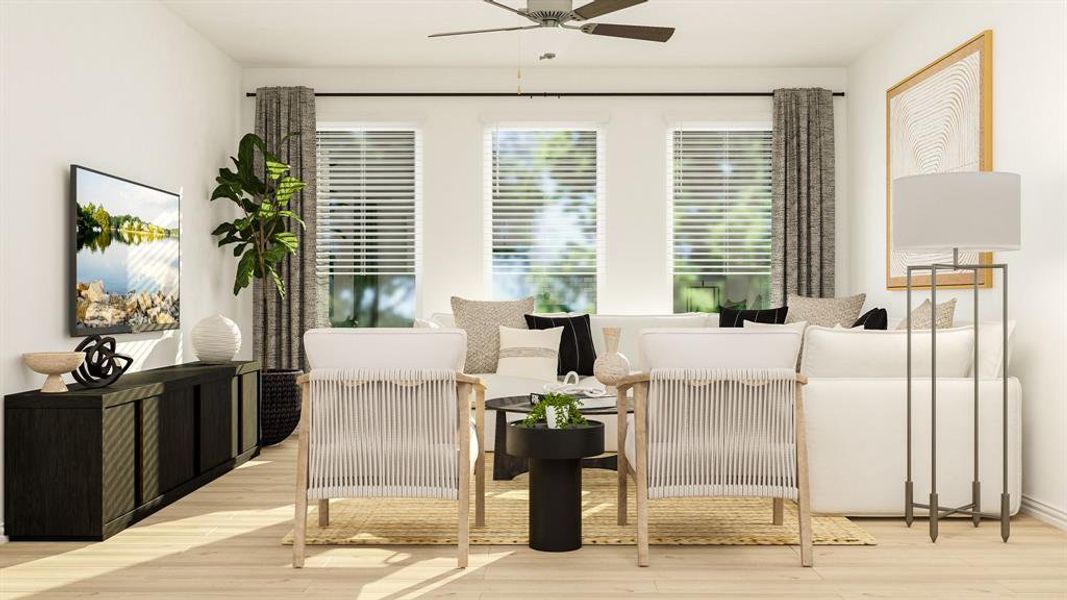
x=641 y=452
x=779 y=511
x=479 y=465
x=807 y=554
x=620 y=454
x=300 y=518
x=464 y=467
x=324 y=512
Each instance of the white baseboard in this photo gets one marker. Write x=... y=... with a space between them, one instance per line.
x=1044 y=512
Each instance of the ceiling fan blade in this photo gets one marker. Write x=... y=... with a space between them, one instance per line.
x=633 y=32
x=484 y=31
x=597 y=8
x=506 y=7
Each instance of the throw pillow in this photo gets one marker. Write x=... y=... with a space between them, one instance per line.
x=425 y=324
x=576 y=352
x=481 y=319
x=732 y=317
x=529 y=353
x=876 y=318
x=921 y=319
x=825 y=312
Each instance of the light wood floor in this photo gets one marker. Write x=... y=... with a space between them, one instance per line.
x=224 y=542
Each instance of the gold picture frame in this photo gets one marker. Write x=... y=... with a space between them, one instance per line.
x=961 y=61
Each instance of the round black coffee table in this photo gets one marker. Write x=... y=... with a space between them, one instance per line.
x=506 y=466
x=555 y=479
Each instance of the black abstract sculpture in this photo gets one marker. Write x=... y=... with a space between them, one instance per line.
x=103 y=366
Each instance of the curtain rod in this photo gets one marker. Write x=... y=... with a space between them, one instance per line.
x=536 y=94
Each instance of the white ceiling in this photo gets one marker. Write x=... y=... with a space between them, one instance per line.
x=392 y=33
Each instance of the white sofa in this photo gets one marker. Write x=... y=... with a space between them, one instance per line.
x=855 y=403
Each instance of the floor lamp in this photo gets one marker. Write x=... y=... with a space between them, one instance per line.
x=976 y=211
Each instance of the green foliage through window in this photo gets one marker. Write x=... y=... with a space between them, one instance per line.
x=721 y=218
x=545 y=185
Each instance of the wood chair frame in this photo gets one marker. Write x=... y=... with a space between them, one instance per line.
x=639 y=383
x=465 y=385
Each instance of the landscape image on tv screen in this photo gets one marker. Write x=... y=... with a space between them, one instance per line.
x=127 y=259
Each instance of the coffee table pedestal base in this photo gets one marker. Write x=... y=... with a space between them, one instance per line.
x=555 y=504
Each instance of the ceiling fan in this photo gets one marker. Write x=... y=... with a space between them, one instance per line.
x=560 y=13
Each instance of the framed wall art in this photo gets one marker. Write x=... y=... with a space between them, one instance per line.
x=940 y=120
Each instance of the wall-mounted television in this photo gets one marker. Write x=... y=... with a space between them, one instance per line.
x=126 y=255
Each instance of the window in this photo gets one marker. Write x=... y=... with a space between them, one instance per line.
x=544 y=187
x=720 y=218
x=368 y=224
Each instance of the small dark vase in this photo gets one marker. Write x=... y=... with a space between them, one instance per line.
x=279 y=409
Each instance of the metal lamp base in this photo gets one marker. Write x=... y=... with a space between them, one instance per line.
x=934 y=510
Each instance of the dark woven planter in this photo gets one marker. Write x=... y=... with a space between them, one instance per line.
x=279 y=409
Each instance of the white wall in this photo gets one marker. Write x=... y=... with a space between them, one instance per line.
x=1029 y=135
x=636 y=278
x=129 y=89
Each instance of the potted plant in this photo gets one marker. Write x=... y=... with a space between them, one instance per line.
x=262 y=238
x=556 y=411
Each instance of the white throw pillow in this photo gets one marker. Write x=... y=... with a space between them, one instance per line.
x=425 y=324
x=446 y=320
x=531 y=353
x=860 y=353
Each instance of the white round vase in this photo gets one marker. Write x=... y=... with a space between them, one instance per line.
x=216 y=339
x=610 y=367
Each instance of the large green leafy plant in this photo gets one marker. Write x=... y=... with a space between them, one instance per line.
x=262 y=237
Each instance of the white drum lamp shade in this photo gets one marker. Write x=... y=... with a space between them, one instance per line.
x=977 y=211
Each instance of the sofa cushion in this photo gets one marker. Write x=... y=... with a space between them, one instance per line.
x=719 y=348
x=632 y=325
x=576 y=351
x=732 y=317
x=825 y=312
x=482 y=319
x=859 y=353
x=529 y=353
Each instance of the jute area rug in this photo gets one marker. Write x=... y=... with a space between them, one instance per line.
x=672 y=521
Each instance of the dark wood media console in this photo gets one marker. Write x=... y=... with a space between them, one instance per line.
x=87 y=463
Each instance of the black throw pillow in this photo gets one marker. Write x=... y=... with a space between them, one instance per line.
x=576 y=352
x=876 y=318
x=732 y=317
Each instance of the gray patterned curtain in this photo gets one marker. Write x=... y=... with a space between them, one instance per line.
x=281 y=111
x=803 y=194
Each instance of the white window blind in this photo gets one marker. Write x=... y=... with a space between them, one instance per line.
x=721 y=202
x=368 y=202
x=544 y=189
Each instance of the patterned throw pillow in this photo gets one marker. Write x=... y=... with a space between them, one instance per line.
x=529 y=353
x=732 y=317
x=481 y=319
x=825 y=312
x=576 y=352
x=920 y=317
x=876 y=318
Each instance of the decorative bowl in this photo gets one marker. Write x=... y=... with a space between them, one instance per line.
x=54 y=365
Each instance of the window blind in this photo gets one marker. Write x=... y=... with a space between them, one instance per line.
x=544 y=188
x=721 y=202
x=368 y=202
